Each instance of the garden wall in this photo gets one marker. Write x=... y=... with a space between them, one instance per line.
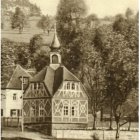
x=87 y=134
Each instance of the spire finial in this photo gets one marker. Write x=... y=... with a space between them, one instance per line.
x=55 y=42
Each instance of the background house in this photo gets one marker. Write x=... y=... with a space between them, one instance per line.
x=12 y=91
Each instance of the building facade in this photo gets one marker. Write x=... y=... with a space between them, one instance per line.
x=55 y=96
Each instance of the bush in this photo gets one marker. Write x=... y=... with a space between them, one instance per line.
x=95 y=137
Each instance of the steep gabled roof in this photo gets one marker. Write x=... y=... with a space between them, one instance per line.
x=15 y=82
x=67 y=75
x=54 y=78
x=39 y=76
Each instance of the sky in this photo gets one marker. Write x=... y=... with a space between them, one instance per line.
x=100 y=7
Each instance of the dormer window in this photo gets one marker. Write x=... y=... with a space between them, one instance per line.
x=73 y=86
x=24 y=80
x=34 y=85
x=37 y=86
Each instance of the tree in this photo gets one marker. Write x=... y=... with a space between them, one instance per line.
x=92 y=20
x=121 y=75
x=44 y=23
x=120 y=66
x=120 y=24
x=18 y=20
x=69 y=16
x=35 y=42
x=99 y=41
x=94 y=77
x=128 y=13
x=41 y=60
x=38 y=57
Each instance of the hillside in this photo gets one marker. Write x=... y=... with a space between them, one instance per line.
x=8 y=7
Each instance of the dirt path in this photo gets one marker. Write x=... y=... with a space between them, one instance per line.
x=26 y=134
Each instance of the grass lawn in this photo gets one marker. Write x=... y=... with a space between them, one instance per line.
x=25 y=36
x=28 y=32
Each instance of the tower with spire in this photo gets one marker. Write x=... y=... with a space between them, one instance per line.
x=55 y=56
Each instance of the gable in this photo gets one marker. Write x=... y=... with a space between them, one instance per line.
x=36 y=90
x=15 y=81
x=77 y=93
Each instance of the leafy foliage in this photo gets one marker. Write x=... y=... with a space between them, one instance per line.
x=35 y=42
x=41 y=60
x=45 y=23
x=29 y=8
x=10 y=56
x=69 y=15
x=18 y=20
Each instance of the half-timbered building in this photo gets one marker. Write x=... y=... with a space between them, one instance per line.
x=55 y=96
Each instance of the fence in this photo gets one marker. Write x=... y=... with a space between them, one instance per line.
x=10 y=121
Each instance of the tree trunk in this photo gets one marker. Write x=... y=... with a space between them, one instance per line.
x=118 y=131
x=20 y=29
x=48 y=32
x=101 y=119
x=129 y=124
x=94 y=121
x=111 y=115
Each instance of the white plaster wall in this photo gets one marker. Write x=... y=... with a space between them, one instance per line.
x=3 y=101
x=10 y=103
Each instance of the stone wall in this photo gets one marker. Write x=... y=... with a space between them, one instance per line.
x=69 y=126
x=87 y=134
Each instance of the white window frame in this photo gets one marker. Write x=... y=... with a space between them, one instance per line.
x=13 y=113
x=66 y=110
x=41 y=111
x=74 y=110
x=14 y=96
x=68 y=85
x=73 y=86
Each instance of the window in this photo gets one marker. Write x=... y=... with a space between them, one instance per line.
x=34 y=85
x=55 y=59
x=32 y=109
x=13 y=113
x=14 y=96
x=41 y=111
x=65 y=110
x=24 y=80
x=73 y=111
x=19 y=112
x=68 y=85
x=73 y=86
x=1 y=112
x=39 y=85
